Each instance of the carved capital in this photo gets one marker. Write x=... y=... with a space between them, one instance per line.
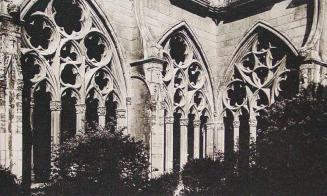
x=169 y=120
x=121 y=113
x=197 y=123
x=102 y=111
x=55 y=106
x=184 y=122
x=80 y=108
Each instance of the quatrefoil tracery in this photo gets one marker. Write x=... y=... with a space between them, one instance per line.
x=41 y=34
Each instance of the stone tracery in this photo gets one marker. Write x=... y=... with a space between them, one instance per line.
x=261 y=75
x=186 y=78
x=69 y=55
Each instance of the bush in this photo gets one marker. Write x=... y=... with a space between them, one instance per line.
x=203 y=176
x=292 y=149
x=163 y=185
x=99 y=162
x=9 y=185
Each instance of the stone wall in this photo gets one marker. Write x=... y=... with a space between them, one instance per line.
x=139 y=26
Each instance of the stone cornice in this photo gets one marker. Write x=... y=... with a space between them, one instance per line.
x=220 y=11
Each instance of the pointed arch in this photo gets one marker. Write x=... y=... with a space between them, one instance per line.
x=80 y=52
x=264 y=69
x=248 y=37
x=183 y=29
x=102 y=20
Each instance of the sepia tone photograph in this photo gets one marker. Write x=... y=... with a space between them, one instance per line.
x=163 y=97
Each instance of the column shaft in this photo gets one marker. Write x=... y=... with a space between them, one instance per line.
x=220 y=135
x=236 y=125
x=102 y=116
x=184 y=142
x=80 y=117
x=253 y=130
x=210 y=140
x=197 y=131
x=121 y=119
x=55 y=107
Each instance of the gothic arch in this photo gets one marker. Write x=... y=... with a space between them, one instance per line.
x=196 y=60
x=260 y=25
x=188 y=87
x=75 y=59
x=103 y=21
x=263 y=70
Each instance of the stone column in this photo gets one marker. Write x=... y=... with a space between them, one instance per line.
x=210 y=140
x=204 y=143
x=236 y=125
x=80 y=117
x=32 y=106
x=55 y=107
x=169 y=143
x=150 y=70
x=253 y=129
x=102 y=116
x=220 y=137
x=157 y=138
x=197 y=131
x=121 y=119
x=17 y=134
x=184 y=142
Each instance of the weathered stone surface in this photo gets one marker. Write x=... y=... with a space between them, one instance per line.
x=179 y=79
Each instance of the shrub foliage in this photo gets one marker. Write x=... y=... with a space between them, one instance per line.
x=203 y=176
x=292 y=149
x=99 y=162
